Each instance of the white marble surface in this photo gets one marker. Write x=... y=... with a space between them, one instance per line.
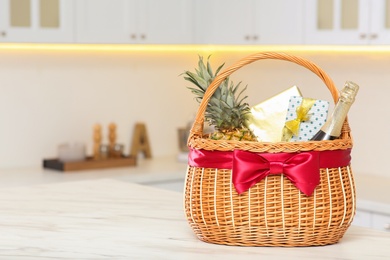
x=147 y=171
x=373 y=193
x=111 y=219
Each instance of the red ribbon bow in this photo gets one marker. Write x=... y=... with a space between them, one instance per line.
x=302 y=169
x=248 y=168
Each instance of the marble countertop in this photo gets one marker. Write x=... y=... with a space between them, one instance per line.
x=146 y=171
x=373 y=193
x=113 y=219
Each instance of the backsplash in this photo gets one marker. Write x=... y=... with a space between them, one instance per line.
x=51 y=97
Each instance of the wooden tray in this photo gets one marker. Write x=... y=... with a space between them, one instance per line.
x=89 y=163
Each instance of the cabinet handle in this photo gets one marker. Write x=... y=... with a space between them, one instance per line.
x=3 y=34
x=363 y=36
x=374 y=36
x=247 y=37
x=143 y=36
x=255 y=37
x=133 y=36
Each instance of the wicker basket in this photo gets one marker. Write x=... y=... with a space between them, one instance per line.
x=273 y=212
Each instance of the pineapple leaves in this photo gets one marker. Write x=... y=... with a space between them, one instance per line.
x=203 y=71
x=209 y=70
x=226 y=109
x=219 y=68
x=197 y=80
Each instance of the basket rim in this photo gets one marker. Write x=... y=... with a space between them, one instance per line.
x=205 y=143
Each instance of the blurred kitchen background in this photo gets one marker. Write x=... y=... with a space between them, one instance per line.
x=66 y=65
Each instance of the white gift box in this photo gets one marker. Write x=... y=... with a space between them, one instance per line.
x=317 y=116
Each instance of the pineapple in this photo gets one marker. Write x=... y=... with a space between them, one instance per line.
x=225 y=111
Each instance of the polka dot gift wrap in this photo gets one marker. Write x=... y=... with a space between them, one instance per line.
x=317 y=116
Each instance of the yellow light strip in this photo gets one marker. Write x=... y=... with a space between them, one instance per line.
x=193 y=48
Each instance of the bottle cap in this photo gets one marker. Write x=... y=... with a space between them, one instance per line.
x=348 y=93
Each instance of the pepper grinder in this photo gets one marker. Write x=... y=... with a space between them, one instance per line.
x=112 y=138
x=97 y=140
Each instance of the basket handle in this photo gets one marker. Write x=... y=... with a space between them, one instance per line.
x=197 y=127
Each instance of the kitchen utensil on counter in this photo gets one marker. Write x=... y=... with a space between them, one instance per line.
x=71 y=152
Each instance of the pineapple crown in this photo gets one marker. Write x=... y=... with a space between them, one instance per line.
x=226 y=109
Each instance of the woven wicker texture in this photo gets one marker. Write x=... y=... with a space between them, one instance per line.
x=273 y=212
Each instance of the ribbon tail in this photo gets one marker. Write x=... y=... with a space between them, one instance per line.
x=306 y=188
x=286 y=134
x=248 y=169
x=242 y=187
x=304 y=172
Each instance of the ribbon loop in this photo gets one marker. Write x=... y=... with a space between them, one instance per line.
x=302 y=114
x=302 y=169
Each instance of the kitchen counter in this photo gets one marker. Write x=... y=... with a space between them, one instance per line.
x=112 y=219
x=373 y=193
x=147 y=171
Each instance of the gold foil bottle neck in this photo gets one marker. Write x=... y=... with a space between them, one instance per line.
x=347 y=96
x=349 y=92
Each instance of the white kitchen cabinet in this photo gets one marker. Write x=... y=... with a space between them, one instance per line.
x=224 y=22
x=362 y=219
x=370 y=219
x=381 y=222
x=168 y=21
x=104 y=21
x=134 y=21
x=347 y=22
x=249 y=21
x=36 y=21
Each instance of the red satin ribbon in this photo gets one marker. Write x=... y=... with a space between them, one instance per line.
x=248 y=168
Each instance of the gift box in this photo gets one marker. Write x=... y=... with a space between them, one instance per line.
x=304 y=118
x=267 y=119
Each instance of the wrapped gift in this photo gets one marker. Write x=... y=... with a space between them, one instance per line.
x=267 y=119
x=305 y=117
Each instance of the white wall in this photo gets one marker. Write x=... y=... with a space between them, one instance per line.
x=50 y=97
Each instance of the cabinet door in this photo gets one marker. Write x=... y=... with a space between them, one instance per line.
x=224 y=21
x=381 y=222
x=165 y=21
x=337 y=21
x=105 y=21
x=380 y=22
x=362 y=219
x=279 y=21
x=134 y=21
x=36 y=21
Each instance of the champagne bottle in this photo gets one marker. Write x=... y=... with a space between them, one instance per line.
x=332 y=128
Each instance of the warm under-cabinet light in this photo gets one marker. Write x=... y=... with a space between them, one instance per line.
x=192 y=48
